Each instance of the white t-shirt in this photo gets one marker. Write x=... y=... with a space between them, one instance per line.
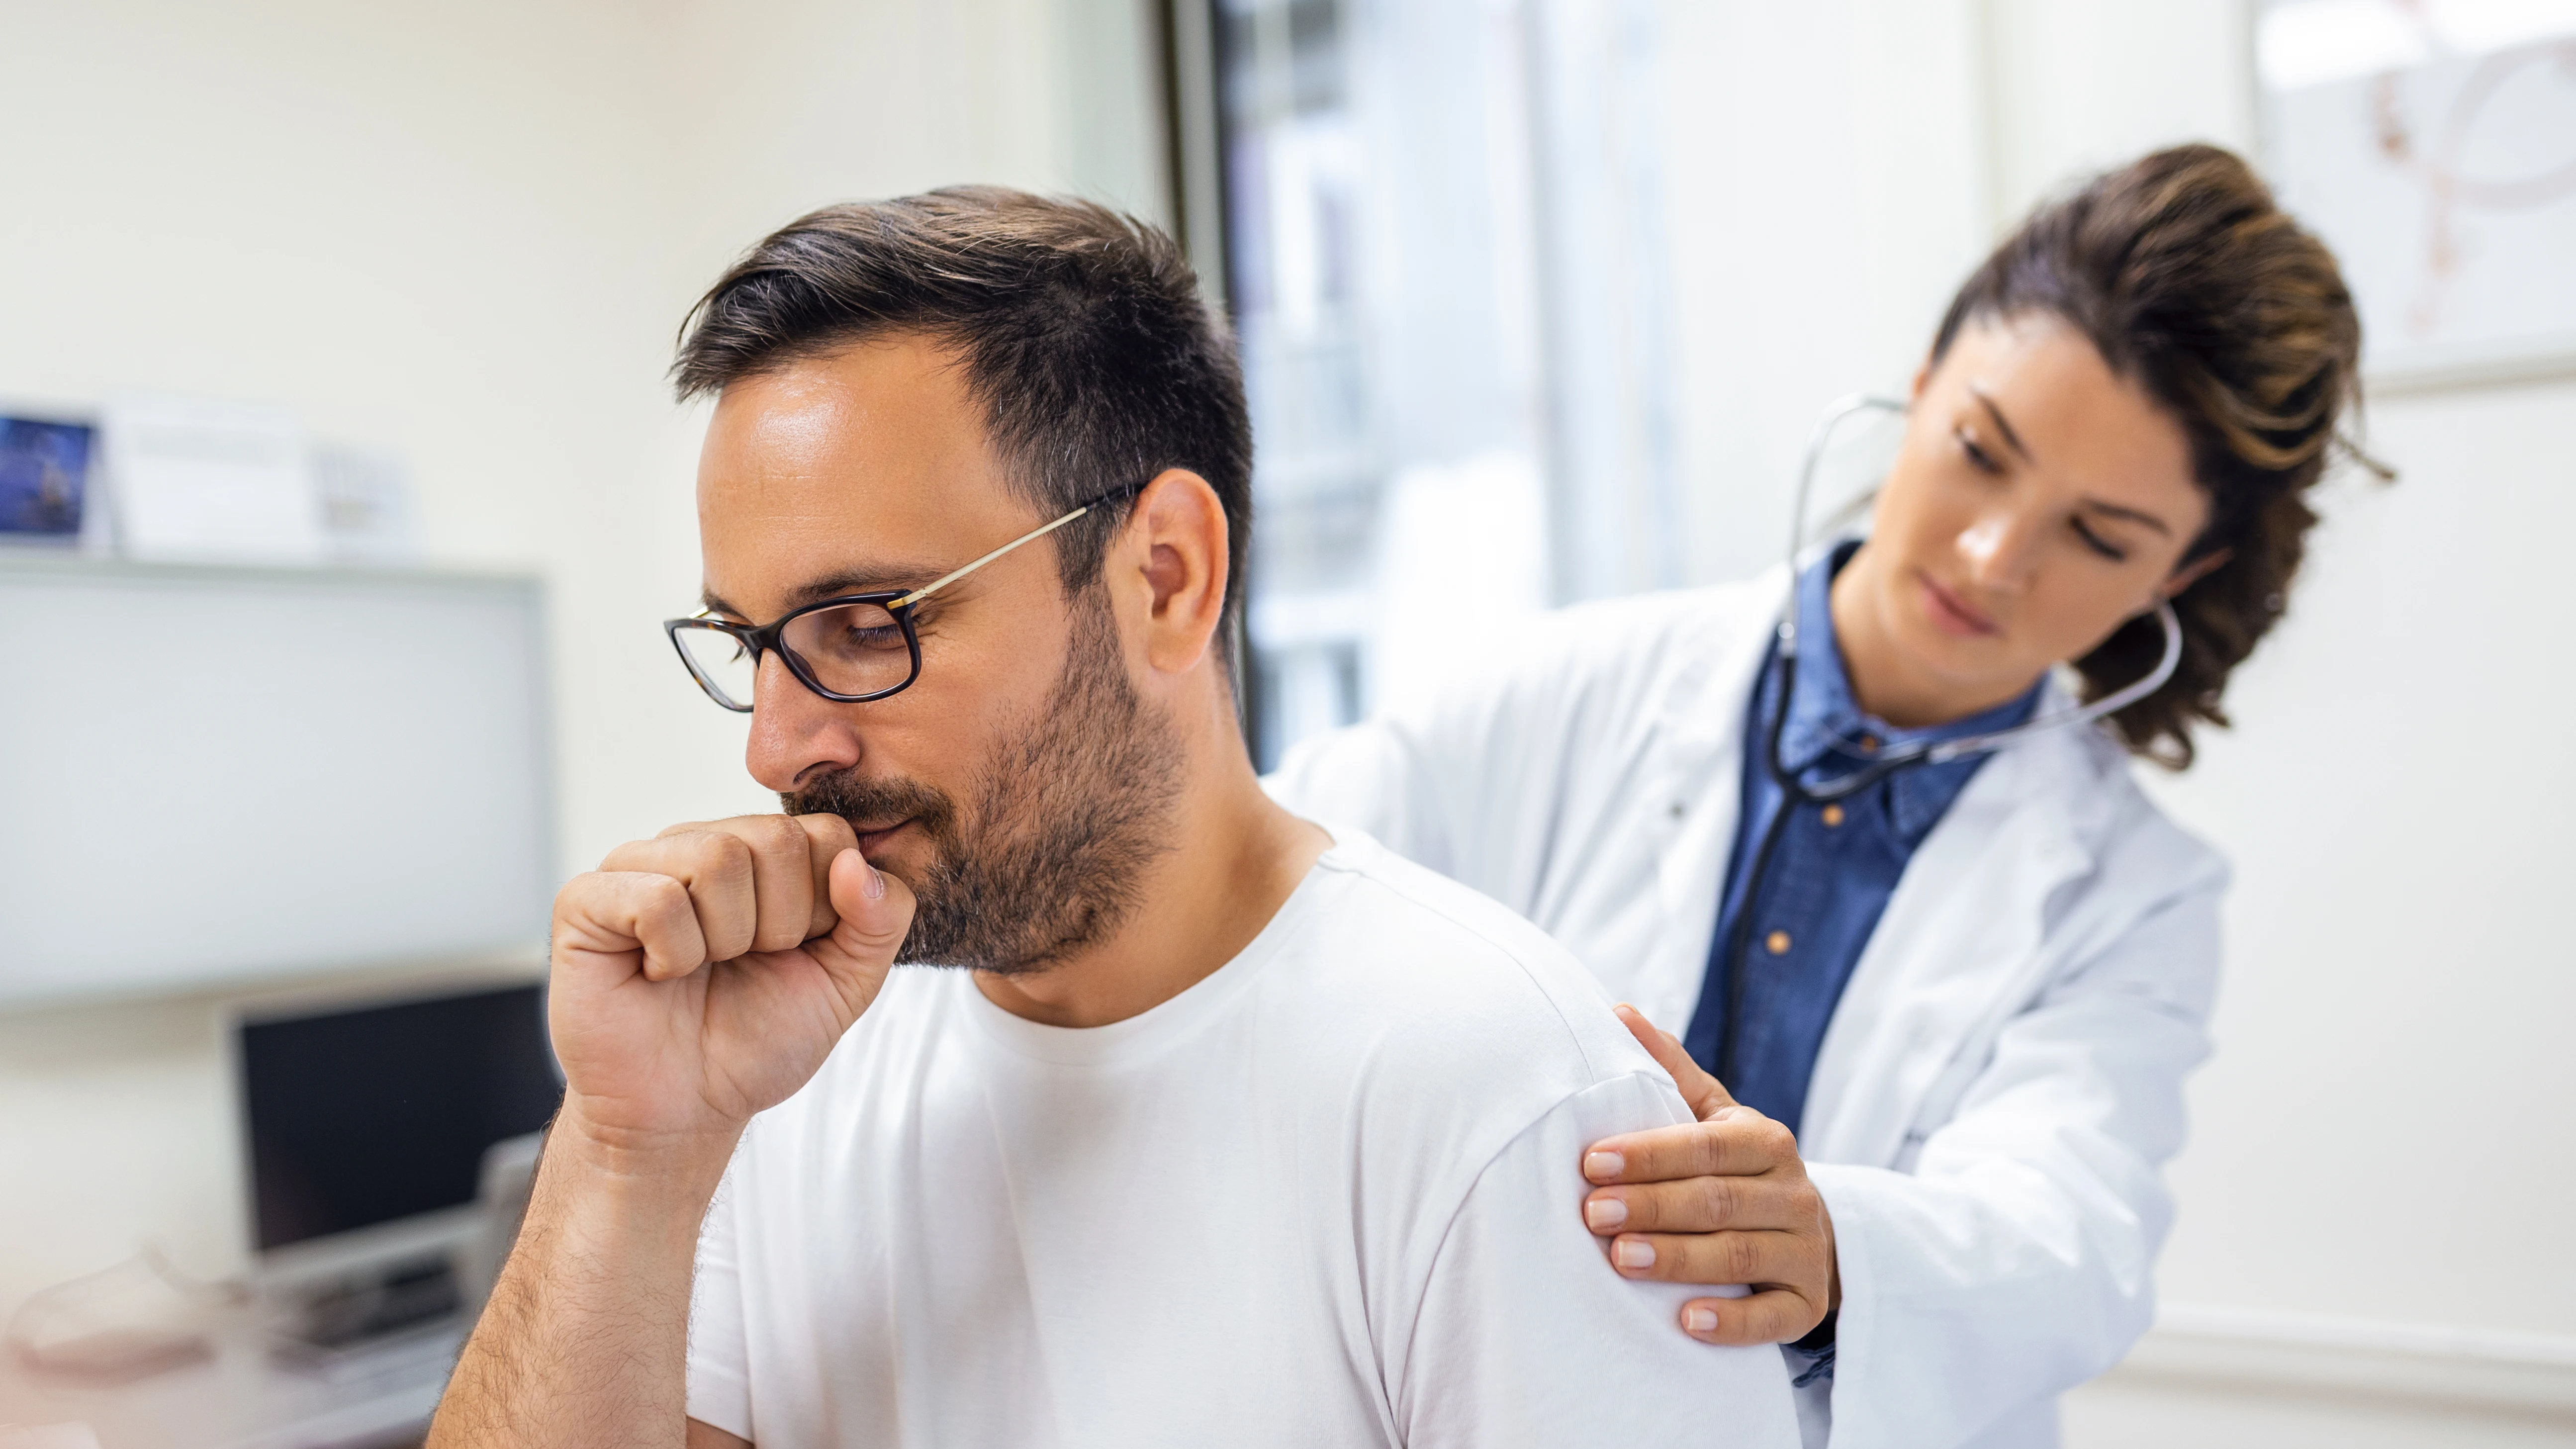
x=1329 y=1195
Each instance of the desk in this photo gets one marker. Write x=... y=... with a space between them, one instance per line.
x=241 y=1399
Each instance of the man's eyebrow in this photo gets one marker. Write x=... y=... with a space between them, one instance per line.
x=2011 y=438
x=897 y=578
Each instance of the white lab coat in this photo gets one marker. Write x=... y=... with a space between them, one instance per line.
x=2003 y=1077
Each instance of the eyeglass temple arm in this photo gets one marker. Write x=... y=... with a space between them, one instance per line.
x=953 y=575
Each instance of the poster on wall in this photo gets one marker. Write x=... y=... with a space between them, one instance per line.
x=44 y=480
x=2432 y=143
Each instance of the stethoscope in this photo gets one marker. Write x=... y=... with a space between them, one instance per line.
x=1795 y=795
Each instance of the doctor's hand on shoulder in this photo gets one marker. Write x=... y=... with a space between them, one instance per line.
x=703 y=975
x=1721 y=1201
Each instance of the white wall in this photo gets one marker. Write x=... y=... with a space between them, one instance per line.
x=1827 y=188
x=2397 y=988
x=466 y=231
x=2371 y=1246
x=2366 y=1250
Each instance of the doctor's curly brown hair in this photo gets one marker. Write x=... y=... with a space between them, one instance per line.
x=2195 y=286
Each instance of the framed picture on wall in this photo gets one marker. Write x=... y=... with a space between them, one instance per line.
x=45 y=472
x=2432 y=143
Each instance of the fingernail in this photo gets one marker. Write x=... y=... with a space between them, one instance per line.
x=1633 y=1253
x=1605 y=1213
x=874 y=888
x=1603 y=1166
x=1700 y=1320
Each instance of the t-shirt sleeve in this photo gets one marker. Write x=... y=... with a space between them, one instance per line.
x=719 y=1366
x=1527 y=1337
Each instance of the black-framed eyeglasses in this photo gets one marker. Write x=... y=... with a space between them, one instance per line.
x=849 y=649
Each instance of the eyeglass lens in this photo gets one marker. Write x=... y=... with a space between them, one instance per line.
x=848 y=648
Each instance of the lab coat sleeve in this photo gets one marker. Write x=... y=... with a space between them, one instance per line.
x=2015 y=1260
x=1512 y=760
x=1377 y=776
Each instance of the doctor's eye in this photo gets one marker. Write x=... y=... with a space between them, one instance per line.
x=2099 y=544
x=1985 y=462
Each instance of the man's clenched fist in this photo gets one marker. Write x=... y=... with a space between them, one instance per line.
x=703 y=975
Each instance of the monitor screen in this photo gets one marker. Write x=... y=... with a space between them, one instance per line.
x=251 y=715
x=359 y=1117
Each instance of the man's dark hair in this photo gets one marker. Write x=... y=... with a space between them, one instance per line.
x=1081 y=331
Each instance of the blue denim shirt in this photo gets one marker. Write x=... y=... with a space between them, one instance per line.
x=1834 y=868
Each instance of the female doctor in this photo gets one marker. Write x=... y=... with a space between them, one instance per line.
x=1970 y=986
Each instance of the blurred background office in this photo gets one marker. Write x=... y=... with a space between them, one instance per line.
x=1537 y=301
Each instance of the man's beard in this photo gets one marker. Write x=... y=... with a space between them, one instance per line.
x=1064 y=818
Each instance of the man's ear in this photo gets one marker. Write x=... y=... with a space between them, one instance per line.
x=1174 y=551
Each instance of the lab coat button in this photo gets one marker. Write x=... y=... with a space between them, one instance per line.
x=1777 y=943
x=1833 y=816
x=1677 y=810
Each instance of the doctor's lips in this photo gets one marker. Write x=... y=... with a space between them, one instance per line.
x=1952 y=614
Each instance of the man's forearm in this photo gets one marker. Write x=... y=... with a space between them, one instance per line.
x=585 y=1339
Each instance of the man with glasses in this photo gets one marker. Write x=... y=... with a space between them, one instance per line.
x=1227 y=1131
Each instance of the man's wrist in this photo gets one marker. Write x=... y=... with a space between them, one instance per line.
x=681 y=1166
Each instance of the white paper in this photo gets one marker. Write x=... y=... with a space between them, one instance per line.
x=365 y=494
x=206 y=480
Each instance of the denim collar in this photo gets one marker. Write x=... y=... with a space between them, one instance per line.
x=1826 y=733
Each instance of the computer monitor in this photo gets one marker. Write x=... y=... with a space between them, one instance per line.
x=368 y=1126
x=351 y=766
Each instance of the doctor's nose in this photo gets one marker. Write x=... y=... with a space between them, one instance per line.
x=1997 y=547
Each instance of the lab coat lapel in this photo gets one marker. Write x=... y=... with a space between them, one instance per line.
x=1696 y=808
x=1957 y=949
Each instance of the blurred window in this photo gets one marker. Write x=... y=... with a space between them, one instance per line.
x=1446 y=266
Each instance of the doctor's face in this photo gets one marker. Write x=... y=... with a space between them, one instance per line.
x=2038 y=502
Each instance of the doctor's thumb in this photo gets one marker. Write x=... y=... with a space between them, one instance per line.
x=1705 y=1094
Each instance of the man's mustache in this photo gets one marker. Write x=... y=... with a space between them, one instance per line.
x=872 y=802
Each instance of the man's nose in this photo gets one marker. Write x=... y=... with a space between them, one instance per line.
x=796 y=734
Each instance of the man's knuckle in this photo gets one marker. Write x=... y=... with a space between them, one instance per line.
x=662 y=894
x=663 y=908
x=777 y=835
x=719 y=861
x=733 y=850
